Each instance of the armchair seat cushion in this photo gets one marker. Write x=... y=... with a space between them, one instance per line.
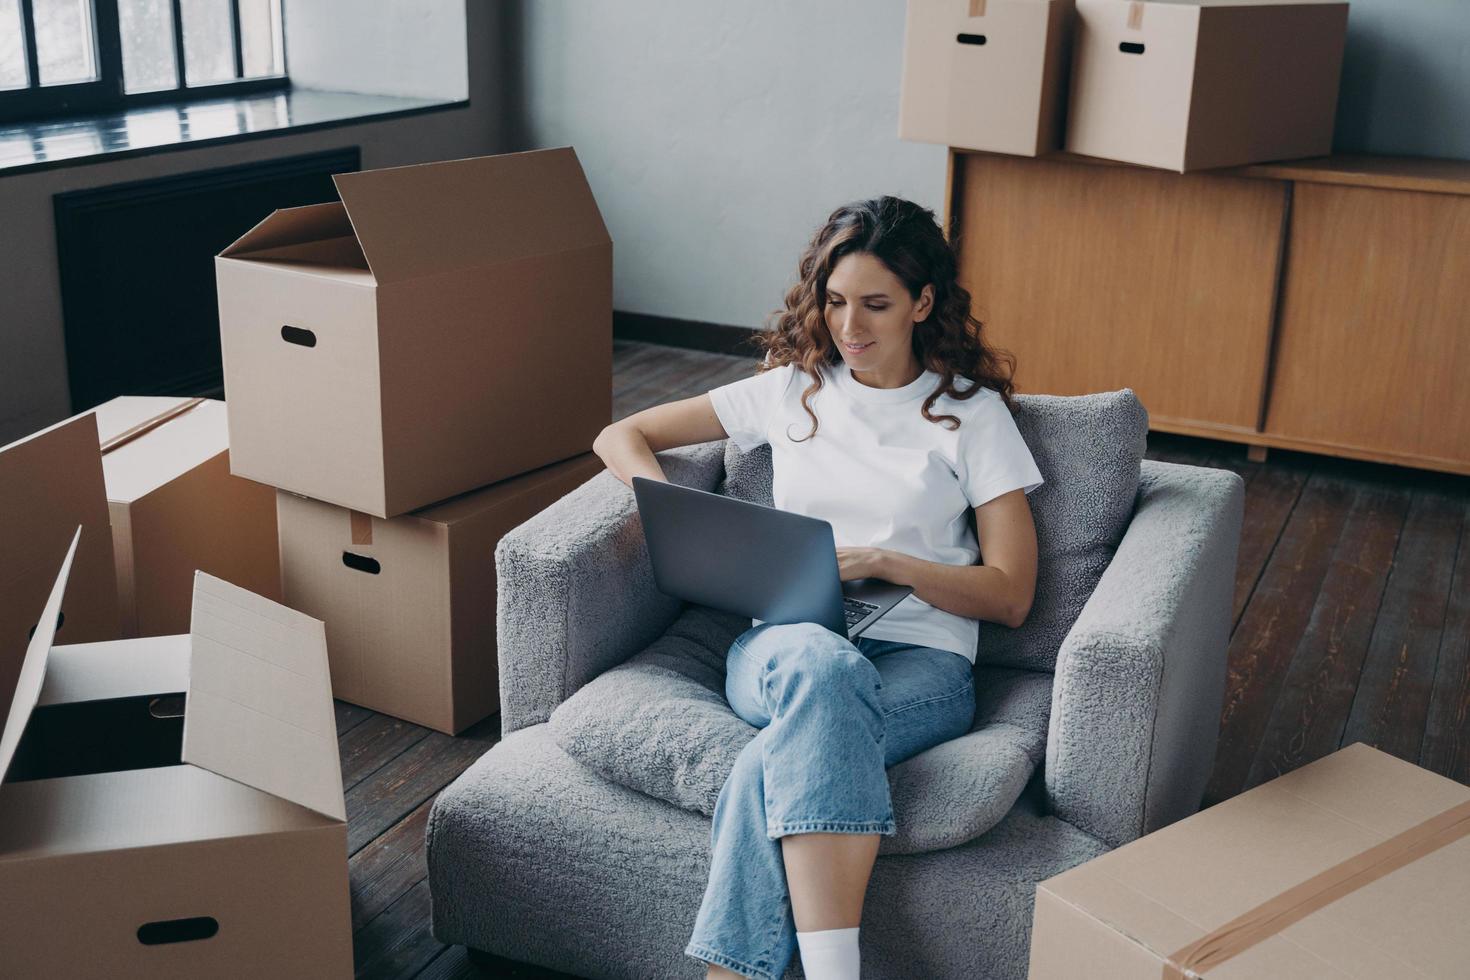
x=659 y=724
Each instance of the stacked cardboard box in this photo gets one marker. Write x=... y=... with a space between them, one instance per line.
x=986 y=74
x=1178 y=84
x=418 y=368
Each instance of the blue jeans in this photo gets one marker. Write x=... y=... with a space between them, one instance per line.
x=833 y=716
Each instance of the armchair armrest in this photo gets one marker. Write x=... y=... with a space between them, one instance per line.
x=1140 y=678
x=575 y=593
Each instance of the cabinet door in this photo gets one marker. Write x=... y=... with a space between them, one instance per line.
x=1099 y=277
x=1374 y=345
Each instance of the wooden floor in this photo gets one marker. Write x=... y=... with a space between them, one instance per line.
x=1352 y=623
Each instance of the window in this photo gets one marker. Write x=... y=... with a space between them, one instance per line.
x=59 y=57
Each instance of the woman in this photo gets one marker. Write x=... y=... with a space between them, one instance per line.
x=915 y=432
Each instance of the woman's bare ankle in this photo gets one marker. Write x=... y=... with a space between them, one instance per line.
x=719 y=973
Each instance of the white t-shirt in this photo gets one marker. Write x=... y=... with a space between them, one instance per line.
x=883 y=475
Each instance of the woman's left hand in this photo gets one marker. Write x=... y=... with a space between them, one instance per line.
x=862 y=563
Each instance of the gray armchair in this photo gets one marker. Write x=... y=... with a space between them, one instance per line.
x=581 y=840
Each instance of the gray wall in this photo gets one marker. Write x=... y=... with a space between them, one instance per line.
x=33 y=383
x=1406 y=79
x=379 y=47
x=717 y=137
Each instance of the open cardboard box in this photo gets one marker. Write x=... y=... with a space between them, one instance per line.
x=986 y=74
x=176 y=509
x=442 y=327
x=50 y=482
x=173 y=806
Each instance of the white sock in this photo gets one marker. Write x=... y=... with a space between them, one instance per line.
x=829 y=954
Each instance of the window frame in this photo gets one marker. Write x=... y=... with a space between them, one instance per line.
x=105 y=93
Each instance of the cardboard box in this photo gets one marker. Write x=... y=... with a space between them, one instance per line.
x=50 y=482
x=1192 y=84
x=1357 y=865
x=176 y=509
x=986 y=74
x=172 y=806
x=409 y=602
x=444 y=326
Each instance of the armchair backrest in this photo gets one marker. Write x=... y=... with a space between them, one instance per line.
x=1088 y=448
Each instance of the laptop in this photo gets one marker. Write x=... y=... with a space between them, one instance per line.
x=757 y=561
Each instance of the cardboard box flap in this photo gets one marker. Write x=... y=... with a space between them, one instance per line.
x=56 y=469
x=293 y=226
x=33 y=669
x=51 y=481
x=190 y=432
x=259 y=704
x=132 y=416
x=433 y=218
x=81 y=672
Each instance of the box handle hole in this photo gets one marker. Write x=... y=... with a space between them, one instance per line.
x=361 y=563
x=970 y=38
x=177 y=930
x=60 y=618
x=1131 y=47
x=168 y=706
x=298 y=335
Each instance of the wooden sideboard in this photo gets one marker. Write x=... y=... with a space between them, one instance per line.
x=1319 y=305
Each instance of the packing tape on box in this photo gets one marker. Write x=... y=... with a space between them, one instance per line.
x=977 y=8
x=1135 y=15
x=362 y=527
x=149 y=424
x=1295 y=904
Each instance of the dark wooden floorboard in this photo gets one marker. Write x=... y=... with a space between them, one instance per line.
x=1351 y=622
x=1392 y=704
x=453 y=963
x=1447 y=730
x=402 y=945
x=349 y=716
x=373 y=744
x=1308 y=719
x=1270 y=497
x=678 y=376
x=389 y=866
x=426 y=767
x=1267 y=636
x=664 y=369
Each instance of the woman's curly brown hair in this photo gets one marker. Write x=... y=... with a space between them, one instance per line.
x=906 y=238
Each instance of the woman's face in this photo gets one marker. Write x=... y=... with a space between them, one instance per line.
x=871 y=319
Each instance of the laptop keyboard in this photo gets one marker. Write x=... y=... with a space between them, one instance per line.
x=856 y=610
